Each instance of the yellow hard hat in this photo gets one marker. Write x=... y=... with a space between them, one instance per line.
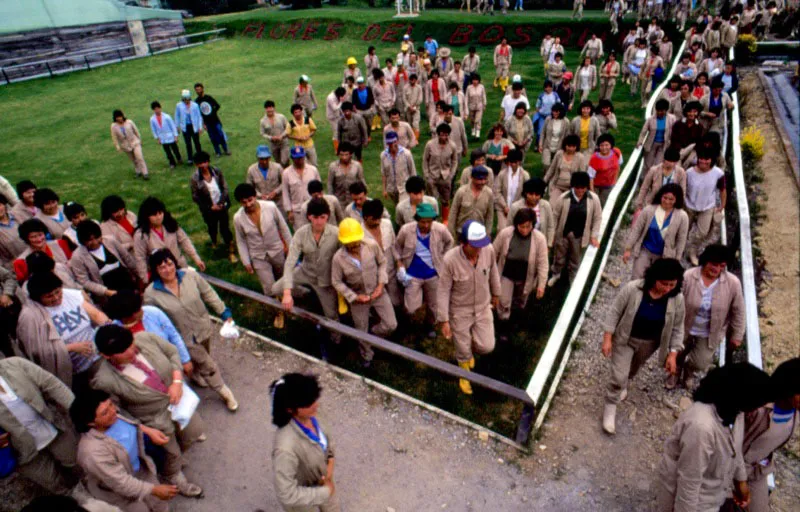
x=350 y=231
x=351 y=61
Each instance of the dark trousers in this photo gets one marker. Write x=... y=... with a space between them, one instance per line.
x=190 y=135
x=172 y=152
x=217 y=221
x=217 y=136
x=357 y=151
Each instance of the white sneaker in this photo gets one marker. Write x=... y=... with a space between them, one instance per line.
x=610 y=419
x=230 y=401
x=553 y=280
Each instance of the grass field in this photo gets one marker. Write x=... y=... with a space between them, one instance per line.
x=56 y=132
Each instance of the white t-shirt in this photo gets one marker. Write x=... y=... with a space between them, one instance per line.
x=42 y=431
x=213 y=190
x=73 y=325
x=701 y=326
x=702 y=188
x=584 y=75
x=509 y=104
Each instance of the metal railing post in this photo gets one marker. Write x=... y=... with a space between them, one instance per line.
x=8 y=80
x=119 y=54
x=86 y=59
x=48 y=69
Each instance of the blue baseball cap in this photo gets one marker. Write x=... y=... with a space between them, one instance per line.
x=298 y=152
x=391 y=137
x=474 y=233
x=480 y=172
x=263 y=152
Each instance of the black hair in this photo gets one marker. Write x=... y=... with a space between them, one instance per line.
x=733 y=389
x=357 y=187
x=435 y=72
x=24 y=186
x=151 y=206
x=475 y=76
x=717 y=83
x=243 y=191
x=516 y=86
x=394 y=111
x=559 y=107
x=3 y=199
x=389 y=59
x=123 y=304
x=291 y=392
x=83 y=410
x=116 y=114
x=586 y=103
x=110 y=205
x=317 y=207
x=339 y=92
x=785 y=380
x=413 y=76
x=42 y=283
x=604 y=104
x=346 y=147
x=154 y=105
x=198 y=84
x=475 y=155
x=157 y=258
x=87 y=229
x=372 y=208
x=664 y=269
x=672 y=154
x=295 y=106
x=73 y=209
x=31 y=226
x=534 y=186
x=670 y=188
x=472 y=49
x=520 y=105
x=606 y=137
x=571 y=140
x=54 y=502
x=443 y=128
x=269 y=103
x=347 y=105
x=201 y=157
x=715 y=253
x=662 y=104
x=579 y=179
x=452 y=85
x=497 y=126
x=39 y=262
x=514 y=155
x=547 y=83
x=112 y=339
x=447 y=107
x=43 y=196
x=415 y=185
x=314 y=186
x=377 y=74
x=692 y=105
x=524 y=215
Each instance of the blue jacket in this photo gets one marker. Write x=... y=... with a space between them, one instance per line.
x=167 y=132
x=157 y=322
x=195 y=117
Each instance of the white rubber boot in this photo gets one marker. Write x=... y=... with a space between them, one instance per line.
x=610 y=419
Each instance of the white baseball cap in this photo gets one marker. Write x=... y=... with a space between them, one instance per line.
x=474 y=233
x=186 y=94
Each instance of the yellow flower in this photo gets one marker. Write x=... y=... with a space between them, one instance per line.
x=752 y=142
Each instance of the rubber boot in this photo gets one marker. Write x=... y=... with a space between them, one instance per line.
x=336 y=147
x=464 y=384
x=472 y=363
x=232 y=253
x=416 y=134
x=495 y=83
x=280 y=320
x=504 y=83
x=610 y=419
x=227 y=396
x=445 y=214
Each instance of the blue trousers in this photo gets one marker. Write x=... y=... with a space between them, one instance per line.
x=538 y=123
x=218 y=138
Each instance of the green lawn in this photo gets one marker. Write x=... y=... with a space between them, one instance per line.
x=56 y=132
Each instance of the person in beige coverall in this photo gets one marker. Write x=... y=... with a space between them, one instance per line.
x=127 y=139
x=302 y=454
x=469 y=288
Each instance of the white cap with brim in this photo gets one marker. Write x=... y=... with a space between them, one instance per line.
x=474 y=233
x=186 y=94
x=360 y=80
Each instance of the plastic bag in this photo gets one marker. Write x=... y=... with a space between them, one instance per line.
x=229 y=331
x=183 y=411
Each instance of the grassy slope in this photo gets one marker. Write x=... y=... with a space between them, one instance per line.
x=56 y=132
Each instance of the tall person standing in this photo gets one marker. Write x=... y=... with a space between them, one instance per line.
x=127 y=139
x=208 y=109
x=190 y=123
x=165 y=133
x=210 y=193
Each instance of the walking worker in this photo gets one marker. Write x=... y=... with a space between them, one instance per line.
x=656 y=134
x=333 y=112
x=468 y=290
x=706 y=197
x=111 y=452
x=358 y=273
x=126 y=138
x=604 y=166
x=702 y=464
x=439 y=164
x=522 y=263
x=551 y=137
x=352 y=129
x=502 y=63
x=476 y=103
x=532 y=198
x=378 y=228
x=609 y=72
x=715 y=107
x=273 y=128
x=587 y=128
x=210 y=192
x=646 y=316
x=508 y=187
x=413 y=96
x=544 y=107
x=304 y=96
x=143 y=374
x=262 y=236
x=435 y=91
x=659 y=231
x=593 y=49
x=294 y=183
x=209 y=108
x=397 y=166
x=406 y=209
x=578 y=214
x=302 y=454
x=363 y=102
x=668 y=171
x=157 y=229
x=343 y=172
x=308 y=263
x=520 y=129
x=189 y=120
x=300 y=131
x=473 y=202
x=769 y=428
x=714 y=310
x=566 y=162
x=385 y=96
x=265 y=176
x=315 y=191
x=605 y=116
x=100 y=265
x=34 y=427
x=183 y=295
x=405 y=133
x=586 y=77
x=351 y=69
x=166 y=134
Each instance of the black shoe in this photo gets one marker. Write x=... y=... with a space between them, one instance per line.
x=146 y=177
